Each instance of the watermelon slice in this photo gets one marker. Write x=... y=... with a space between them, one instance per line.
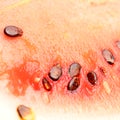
x=59 y=59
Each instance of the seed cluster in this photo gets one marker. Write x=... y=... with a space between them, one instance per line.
x=24 y=112
x=56 y=71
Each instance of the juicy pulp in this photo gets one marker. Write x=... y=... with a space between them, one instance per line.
x=61 y=32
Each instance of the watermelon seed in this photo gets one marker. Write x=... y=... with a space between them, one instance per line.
x=55 y=72
x=13 y=31
x=25 y=113
x=108 y=56
x=74 y=69
x=46 y=84
x=73 y=84
x=118 y=44
x=92 y=77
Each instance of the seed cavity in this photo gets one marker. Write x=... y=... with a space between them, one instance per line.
x=92 y=77
x=55 y=72
x=73 y=84
x=25 y=113
x=13 y=31
x=45 y=98
x=46 y=84
x=108 y=56
x=102 y=70
x=106 y=87
x=35 y=80
x=74 y=69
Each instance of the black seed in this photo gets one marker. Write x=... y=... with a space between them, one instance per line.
x=13 y=31
x=92 y=77
x=46 y=84
x=74 y=69
x=25 y=113
x=108 y=56
x=118 y=44
x=55 y=72
x=73 y=84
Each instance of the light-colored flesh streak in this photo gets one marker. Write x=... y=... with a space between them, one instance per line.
x=74 y=30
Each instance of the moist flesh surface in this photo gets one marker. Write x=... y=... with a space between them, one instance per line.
x=60 y=32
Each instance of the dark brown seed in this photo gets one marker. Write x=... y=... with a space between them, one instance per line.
x=74 y=69
x=73 y=84
x=25 y=113
x=92 y=77
x=13 y=31
x=55 y=72
x=118 y=44
x=46 y=84
x=108 y=56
